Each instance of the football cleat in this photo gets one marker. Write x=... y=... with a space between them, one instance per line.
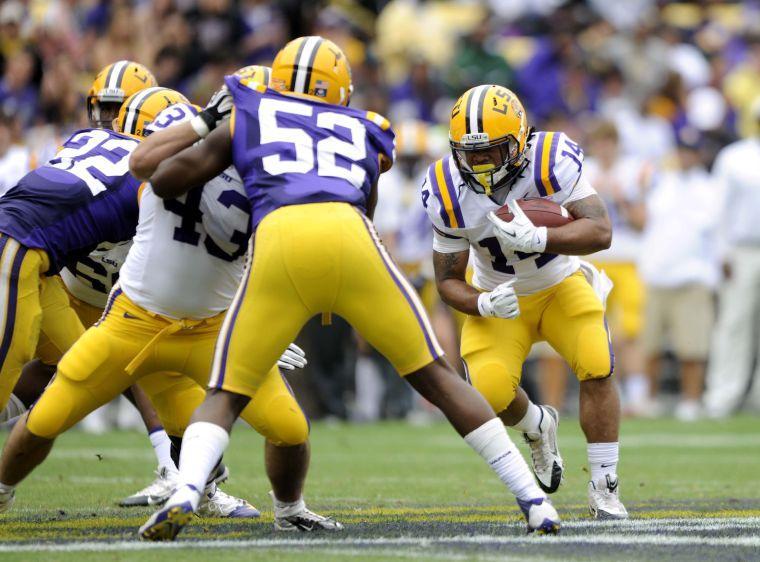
x=216 y=503
x=544 y=452
x=540 y=515
x=155 y=493
x=299 y=518
x=6 y=500
x=604 y=500
x=167 y=522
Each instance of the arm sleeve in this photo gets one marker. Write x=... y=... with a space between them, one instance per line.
x=445 y=243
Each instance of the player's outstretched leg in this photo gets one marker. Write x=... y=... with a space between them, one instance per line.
x=473 y=418
x=538 y=424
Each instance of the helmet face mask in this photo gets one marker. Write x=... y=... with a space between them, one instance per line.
x=488 y=135
x=102 y=113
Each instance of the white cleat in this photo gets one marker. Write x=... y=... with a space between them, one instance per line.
x=604 y=500
x=155 y=493
x=216 y=503
x=548 y=466
x=540 y=515
x=6 y=500
x=299 y=518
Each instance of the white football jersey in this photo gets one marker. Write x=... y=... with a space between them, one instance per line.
x=459 y=215
x=92 y=278
x=188 y=254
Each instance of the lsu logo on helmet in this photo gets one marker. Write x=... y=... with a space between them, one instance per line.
x=115 y=83
x=141 y=109
x=313 y=67
x=254 y=74
x=488 y=132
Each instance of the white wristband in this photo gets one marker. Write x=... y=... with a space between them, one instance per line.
x=484 y=304
x=539 y=239
x=199 y=126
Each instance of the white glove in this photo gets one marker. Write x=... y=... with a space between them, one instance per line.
x=217 y=110
x=519 y=234
x=293 y=358
x=500 y=303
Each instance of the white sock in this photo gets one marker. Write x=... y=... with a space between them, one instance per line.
x=162 y=446
x=602 y=459
x=5 y=488
x=636 y=388
x=286 y=509
x=202 y=446
x=531 y=422
x=492 y=443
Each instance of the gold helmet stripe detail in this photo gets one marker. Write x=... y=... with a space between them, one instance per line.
x=474 y=116
x=307 y=52
x=115 y=74
x=267 y=75
x=130 y=123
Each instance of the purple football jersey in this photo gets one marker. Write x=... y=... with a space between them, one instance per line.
x=81 y=198
x=291 y=151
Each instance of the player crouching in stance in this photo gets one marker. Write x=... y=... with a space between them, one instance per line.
x=159 y=329
x=527 y=285
x=310 y=167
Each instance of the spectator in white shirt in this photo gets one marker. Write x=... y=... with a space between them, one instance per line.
x=680 y=265
x=15 y=160
x=734 y=360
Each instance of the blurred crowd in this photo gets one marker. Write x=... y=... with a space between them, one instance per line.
x=663 y=96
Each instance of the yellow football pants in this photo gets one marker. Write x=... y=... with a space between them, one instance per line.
x=569 y=316
x=30 y=302
x=171 y=359
x=625 y=305
x=311 y=259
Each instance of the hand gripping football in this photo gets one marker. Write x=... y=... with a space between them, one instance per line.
x=541 y=212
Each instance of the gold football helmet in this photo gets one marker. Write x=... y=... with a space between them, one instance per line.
x=141 y=109
x=313 y=67
x=488 y=132
x=254 y=73
x=115 y=83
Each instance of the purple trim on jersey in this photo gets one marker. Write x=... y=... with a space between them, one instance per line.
x=231 y=327
x=437 y=192
x=537 y=165
x=452 y=191
x=115 y=292
x=609 y=345
x=10 y=311
x=552 y=156
x=400 y=285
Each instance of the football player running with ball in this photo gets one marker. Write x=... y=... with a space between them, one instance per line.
x=527 y=285
x=310 y=167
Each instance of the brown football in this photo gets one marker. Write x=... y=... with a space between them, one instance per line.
x=541 y=212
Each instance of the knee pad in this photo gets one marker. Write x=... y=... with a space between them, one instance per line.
x=285 y=423
x=61 y=406
x=594 y=353
x=496 y=386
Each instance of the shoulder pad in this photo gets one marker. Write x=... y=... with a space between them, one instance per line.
x=442 y=201
x=558 y=163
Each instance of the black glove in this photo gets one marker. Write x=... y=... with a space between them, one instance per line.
x=217 y=110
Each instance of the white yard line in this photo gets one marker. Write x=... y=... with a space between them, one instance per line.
x=621 y=538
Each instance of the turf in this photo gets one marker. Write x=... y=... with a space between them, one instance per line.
x=409 y=493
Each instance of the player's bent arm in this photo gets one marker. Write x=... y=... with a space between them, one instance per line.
x=590 y=232
x=194 y=165
x=450 y=270
x=158 y=147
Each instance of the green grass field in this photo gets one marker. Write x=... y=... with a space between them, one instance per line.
x=409 y=493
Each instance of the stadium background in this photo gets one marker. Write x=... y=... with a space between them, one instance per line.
x=664 y=75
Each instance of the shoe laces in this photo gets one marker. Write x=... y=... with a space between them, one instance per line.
x=218 y=502
x=163 y=479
